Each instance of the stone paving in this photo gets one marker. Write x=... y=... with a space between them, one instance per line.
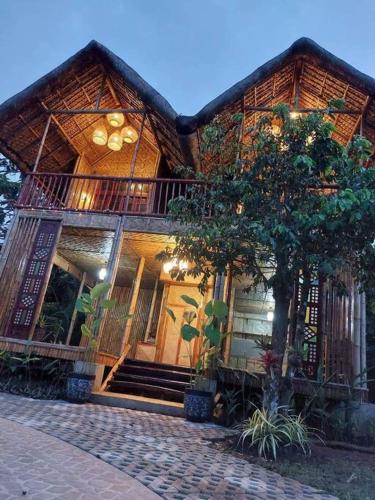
x=36 y=466
x=169 y=455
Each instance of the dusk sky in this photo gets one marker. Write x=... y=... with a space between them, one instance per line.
x=189 y=50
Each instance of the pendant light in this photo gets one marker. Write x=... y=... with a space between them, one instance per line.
x=115 y=141
x=115 y=119
x=100 y=135
x=129 y=134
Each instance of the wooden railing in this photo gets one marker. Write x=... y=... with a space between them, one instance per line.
x=117 y=195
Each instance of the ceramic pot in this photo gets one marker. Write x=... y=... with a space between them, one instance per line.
x=79 y=387
x=198 y=405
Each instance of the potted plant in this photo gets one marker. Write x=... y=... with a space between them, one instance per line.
x=198 y=398
x=80 y=382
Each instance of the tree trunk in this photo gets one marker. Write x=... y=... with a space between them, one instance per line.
x=272 y=390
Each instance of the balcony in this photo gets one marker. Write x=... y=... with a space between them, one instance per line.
x=109 y=195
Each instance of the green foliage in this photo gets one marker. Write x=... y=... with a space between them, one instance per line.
x=92 y=305
x=276 y=204
x=270 y=432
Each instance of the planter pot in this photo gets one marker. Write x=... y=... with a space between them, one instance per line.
x=198 y=405
x=79 y=387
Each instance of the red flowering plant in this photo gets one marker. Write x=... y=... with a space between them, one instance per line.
x=269 y=360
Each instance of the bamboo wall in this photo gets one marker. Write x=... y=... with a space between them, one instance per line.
x=113 y=331
x=343 y=324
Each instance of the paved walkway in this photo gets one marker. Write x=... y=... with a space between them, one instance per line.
x=171 y=457
x=36 y=466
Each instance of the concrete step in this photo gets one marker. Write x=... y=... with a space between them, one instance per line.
x=143 y=388
x=139 y=403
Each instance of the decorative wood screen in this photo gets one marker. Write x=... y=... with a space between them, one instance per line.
x=34 y=280
x=312 y=340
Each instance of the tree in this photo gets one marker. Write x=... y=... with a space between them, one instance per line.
x=9 y=189
x=278 y=202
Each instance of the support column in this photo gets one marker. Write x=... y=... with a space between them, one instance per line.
x=133 y=302
x=112 y=266
x=152 y=308
x=74 y=315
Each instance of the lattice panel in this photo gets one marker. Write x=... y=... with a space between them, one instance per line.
x=311 y=353
x=34 y=279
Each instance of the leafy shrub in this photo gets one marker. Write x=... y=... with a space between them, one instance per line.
x=271 y=432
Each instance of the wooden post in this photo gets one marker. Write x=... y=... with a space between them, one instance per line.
x=152 y=308
x=42 y=143
x=133 y=302
x=7 y=244
x=74 y=315
x=135 y=152
x=112 y=266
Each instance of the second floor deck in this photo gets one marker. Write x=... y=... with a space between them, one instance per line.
x=107 y=195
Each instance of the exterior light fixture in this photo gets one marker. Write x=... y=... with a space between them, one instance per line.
x=129 y=134
x=115 y=119
x=115 y=141
x=294 y=115
x=269 y=315
x=100 y=136
x=169 y=265
x=102 y=273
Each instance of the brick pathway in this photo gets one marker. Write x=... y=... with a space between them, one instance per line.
x=169 y=455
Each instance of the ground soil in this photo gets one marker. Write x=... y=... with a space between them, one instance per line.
x=349 y=475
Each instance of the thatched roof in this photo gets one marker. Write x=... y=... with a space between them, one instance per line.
x=75 y=84
x=321 y=76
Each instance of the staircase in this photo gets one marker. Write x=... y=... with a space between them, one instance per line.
x=150 y=380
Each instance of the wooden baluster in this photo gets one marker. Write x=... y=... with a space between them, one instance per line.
x=160 y=190
x=166 y=199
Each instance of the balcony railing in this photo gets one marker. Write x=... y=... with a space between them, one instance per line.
x=115 y=195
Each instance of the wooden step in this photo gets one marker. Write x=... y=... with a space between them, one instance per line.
x=161 y=382
x=149 y=371
x=163 y=366
x=145 y=389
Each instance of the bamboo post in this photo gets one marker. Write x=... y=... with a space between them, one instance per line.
x=363 y=364
x=7 y=244
x=112 y=266
x=42 y=142
x=133 y=302
x=74 y=315
x=135 y=152
x=152 y=308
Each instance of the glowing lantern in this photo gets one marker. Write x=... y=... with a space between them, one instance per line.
x=100 y=136
x=183 y=265
x=115 y=141
x=129 y=134
x=115 y=119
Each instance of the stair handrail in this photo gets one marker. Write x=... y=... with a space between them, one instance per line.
x=115 y=367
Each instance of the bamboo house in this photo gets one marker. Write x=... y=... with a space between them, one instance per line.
x=97 y=146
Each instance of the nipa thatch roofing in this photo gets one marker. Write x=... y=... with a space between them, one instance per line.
x=74 y=84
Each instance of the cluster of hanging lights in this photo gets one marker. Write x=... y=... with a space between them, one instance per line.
x=116 y=139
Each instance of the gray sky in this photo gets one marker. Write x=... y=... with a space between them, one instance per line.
x=189 y=50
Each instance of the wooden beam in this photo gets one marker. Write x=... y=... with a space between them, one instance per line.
x=101 y=90
x=72 y=269
x=152 y=308
x=266 y=109
x=74 y=315
x=133 y=301
x=94 y=111
x=136 y=149
x=42 y=142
